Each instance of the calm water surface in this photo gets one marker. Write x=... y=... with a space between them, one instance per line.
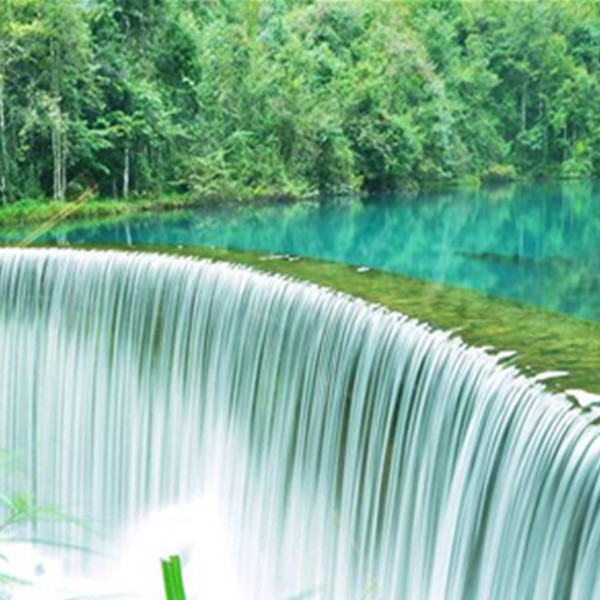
x=537 y=243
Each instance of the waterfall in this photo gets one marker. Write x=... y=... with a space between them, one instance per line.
x=347 y=451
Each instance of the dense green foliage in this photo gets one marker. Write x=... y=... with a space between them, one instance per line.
x=232 y=98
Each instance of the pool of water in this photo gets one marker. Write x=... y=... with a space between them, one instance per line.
x=536 y=243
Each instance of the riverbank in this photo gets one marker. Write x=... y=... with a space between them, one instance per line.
x=31 y=212
x=27 y=212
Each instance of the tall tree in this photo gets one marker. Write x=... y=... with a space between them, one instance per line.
x=6 y=49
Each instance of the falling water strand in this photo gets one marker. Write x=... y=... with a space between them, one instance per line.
x=350 y=452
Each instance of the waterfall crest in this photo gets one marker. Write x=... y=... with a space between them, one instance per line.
x=352 y=453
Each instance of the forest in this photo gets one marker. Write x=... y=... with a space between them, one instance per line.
x=230 y=99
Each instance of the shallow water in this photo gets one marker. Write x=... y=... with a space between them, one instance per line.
x=537 y=243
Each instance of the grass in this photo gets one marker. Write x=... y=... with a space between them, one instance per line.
x=27 y=212
x=14 y=512
x=18 y=511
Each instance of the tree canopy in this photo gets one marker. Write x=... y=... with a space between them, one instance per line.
x=231 y=98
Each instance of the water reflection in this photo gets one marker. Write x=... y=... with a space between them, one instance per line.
x=538 y=243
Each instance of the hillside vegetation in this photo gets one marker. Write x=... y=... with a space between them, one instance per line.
x=234 y=99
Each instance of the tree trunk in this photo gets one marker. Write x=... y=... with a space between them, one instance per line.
x=524 y=108
x=126 y=172
x=59 y=138
x=3 y=150
x=545 y=140
x=60 y=150
x=56 y=149
x=4 y=57
x=64 y=156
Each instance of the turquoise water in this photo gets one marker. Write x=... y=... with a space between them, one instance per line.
x=537 y=243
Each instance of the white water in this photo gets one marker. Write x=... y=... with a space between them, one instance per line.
x=286 y=439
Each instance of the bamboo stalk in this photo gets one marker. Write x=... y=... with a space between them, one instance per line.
x=173 y=578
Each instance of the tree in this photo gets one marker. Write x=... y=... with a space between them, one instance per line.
x=143 y=97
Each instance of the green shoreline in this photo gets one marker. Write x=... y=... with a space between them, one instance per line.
x=32 y=212
x=39 y=211
x=542 y=340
